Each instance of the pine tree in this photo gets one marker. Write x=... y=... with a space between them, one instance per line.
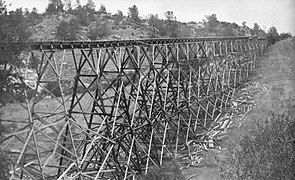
x=13 y=35
x=55 y=6
x=133 y=13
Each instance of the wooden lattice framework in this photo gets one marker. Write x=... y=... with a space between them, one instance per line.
x=124 y=107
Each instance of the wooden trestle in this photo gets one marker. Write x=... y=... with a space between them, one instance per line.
x=124 y=106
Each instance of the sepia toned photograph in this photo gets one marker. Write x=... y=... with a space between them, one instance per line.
x=147 y=90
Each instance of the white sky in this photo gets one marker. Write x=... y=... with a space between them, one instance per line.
x=267 y=13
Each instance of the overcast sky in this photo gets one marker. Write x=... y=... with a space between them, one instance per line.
x=267 y=13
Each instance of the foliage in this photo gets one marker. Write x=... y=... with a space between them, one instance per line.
x=67 y=30
x=14 y=35
x=154 y=21
x=212 y=22
x=78 y=3
x=272 y=35
x=227 y=31
x=234 y=26
x=118 y=17
x=55 y=6
x=170 y=16
x=155 y=24
x=84 y=14
x=68 y=5
x=256 y=30
x=184 y=31
x=170 y=28
x=102 y=9
x=266 y=153
x=120 y=14
x=273 y=31
x=285 y=35
x=2 y=7
x=33 y=17
x=133 y=13
x=90 y=6
x=98 y=30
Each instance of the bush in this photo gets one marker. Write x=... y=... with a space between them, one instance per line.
x=55 y=6
x=98 y=30
x=133 y=14
x=266 y=153
x=227 y=31
x=67 y=30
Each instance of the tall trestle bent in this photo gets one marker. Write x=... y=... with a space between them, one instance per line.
x=124 y=107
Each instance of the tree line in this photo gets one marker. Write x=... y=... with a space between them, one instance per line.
x=168 y=27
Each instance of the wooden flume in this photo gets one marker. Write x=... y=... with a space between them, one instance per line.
x=124 y=107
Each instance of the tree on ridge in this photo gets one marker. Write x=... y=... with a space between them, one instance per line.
x=133 y=13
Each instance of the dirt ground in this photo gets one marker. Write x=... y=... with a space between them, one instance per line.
x=275 y=80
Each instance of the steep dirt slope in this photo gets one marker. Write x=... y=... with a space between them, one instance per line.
x=275 y=84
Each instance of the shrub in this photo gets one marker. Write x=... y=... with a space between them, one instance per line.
x=117 y=21
x=67 y=30
x=227 y=31
x=98 y=30
x=133 y=13
x=55 y=6
x=266 y=153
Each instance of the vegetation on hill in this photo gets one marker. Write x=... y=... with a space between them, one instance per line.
x=267 y=152
x=263 y=147
x=14 y=33
x=65 y=20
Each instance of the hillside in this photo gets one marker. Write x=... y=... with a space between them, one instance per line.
x=46 y=29
x=273 y=115
x=105 y=26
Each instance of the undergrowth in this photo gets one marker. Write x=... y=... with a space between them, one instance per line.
x=267 y=152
